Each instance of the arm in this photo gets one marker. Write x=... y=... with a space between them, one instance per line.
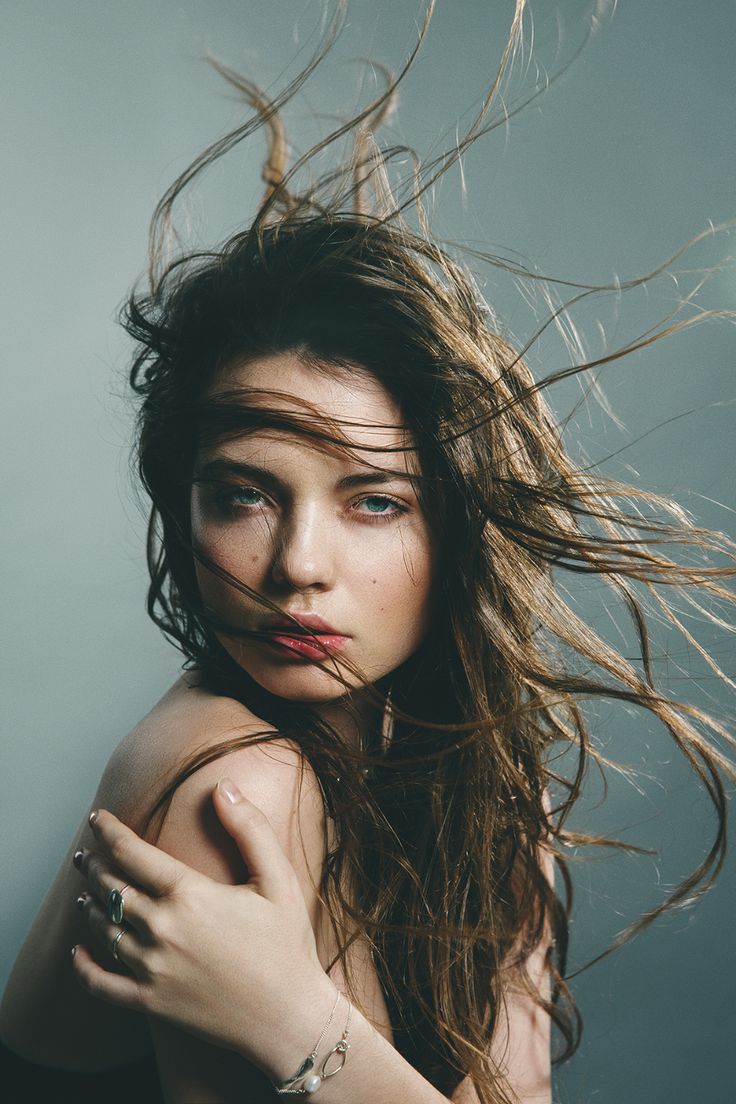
x=261 y=993
x=269 y=776
x=265 y=996
x=45 y=1016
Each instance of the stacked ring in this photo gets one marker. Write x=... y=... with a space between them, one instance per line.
x=115 y=943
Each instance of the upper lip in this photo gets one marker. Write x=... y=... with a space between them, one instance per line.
x=310 y=622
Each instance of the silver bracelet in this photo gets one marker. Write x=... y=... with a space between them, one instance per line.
x=312 y=1081
x=308 y=1063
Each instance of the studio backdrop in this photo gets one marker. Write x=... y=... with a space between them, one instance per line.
x=626 y=156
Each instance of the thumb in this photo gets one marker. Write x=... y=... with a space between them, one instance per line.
x=257 y=842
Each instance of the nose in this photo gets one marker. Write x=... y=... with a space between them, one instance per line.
x=303 y=557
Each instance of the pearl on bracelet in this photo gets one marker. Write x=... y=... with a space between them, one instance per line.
x=312 y=1083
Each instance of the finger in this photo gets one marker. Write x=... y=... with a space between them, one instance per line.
x=140 y=862
x=120 y=989
x=251 y=829
x=102 y=879
x=125 y=949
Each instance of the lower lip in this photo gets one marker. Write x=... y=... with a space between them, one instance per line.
x=306 y=647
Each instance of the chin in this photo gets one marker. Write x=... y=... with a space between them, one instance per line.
x=315 y=691
x=305 y=682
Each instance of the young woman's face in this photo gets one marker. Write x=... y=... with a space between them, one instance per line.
x=324 y=537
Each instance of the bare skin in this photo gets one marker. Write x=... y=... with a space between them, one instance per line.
x=229 y=963
x=49 y=1018
x=45 y=1015
x=299 y=529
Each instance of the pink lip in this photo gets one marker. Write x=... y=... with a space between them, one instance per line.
x=318 y=640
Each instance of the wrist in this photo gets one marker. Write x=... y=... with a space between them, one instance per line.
x=301 y=1026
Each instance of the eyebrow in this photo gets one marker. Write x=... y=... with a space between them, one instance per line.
x=222 y=467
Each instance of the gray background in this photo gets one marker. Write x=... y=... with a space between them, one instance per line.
x=626 y=158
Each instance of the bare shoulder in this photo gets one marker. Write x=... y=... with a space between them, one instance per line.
x=45 y=1014
x=192 y=723
x=277 y=777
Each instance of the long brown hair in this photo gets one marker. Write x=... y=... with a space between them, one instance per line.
x=440 y=830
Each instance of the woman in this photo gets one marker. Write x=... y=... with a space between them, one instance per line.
x=359 y=498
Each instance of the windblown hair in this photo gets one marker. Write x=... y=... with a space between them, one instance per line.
x=440 y=842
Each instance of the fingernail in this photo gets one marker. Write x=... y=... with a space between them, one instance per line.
x=229 y=791
x=81 y=900
x=92 y=818
x=74 y=951
x=77 y=860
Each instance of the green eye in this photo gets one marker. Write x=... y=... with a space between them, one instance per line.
x=245 y=496
x=380 y=506
x=240 y=498
x=377 y=504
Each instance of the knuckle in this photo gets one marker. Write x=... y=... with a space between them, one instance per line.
x=251 y=816
x=159 y=926
x=176 y=884
x=153 y=926
x=143 y=924
x=119 y=850
x=153 y=966
x=90 y=866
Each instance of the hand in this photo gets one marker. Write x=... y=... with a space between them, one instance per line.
x=237 y=965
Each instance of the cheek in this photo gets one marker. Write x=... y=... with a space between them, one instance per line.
x=398 y=581
x=244 y=560
x=239 y=547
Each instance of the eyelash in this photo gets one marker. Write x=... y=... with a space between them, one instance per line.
x=226 y=500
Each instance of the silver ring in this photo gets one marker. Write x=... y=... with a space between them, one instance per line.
x=116 y=941
x=116 y=905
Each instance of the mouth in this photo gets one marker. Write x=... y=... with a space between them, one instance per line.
x=310 y=638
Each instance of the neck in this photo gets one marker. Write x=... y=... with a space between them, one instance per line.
x=350 y=717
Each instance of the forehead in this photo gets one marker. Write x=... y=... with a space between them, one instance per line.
x=347 y=396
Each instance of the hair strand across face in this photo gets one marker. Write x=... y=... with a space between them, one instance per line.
x=440 y=850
